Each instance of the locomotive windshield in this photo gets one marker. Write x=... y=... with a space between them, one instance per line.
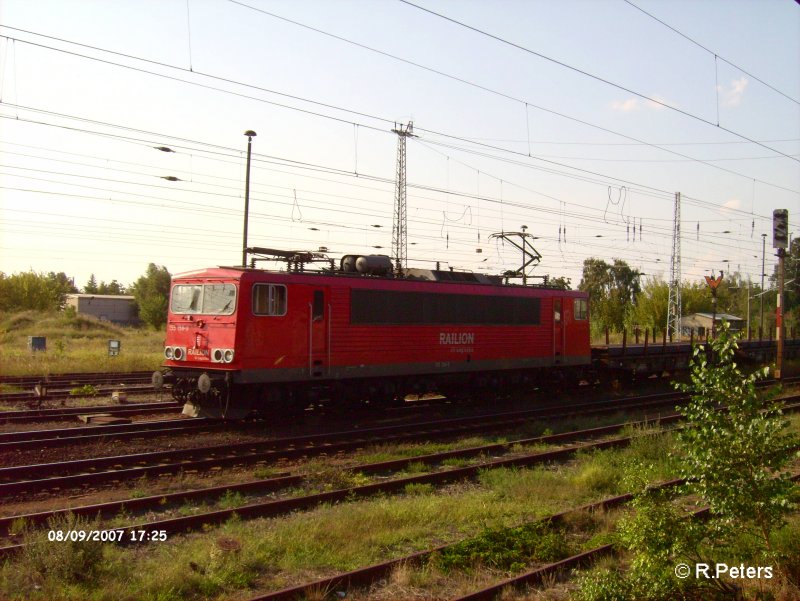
x=206 y=299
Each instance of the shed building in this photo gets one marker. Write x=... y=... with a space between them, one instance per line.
x=700 y=322
x=106 y=307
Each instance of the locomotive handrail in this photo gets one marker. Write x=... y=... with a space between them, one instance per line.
x=310 y=341
x=330 y=320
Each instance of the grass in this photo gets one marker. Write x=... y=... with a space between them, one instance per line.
x=273 y=553
x=385 y=452
x=507 y=548
x=231 y=500
x=75 y=343
x=491 y=516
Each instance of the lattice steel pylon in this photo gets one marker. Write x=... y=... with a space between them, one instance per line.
x=400 y=221
x=674 y=301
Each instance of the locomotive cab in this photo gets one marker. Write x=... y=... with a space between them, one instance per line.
x=200 y=345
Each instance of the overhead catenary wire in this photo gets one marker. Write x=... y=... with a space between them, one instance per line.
x=355 y=125
x=714 y=53
x=332 y=206
x=498 y=93
x=107 y=160
x=326 y=170
x=219 y=149
x=596 y=77
x=351 y=111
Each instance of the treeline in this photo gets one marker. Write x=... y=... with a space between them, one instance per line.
x=40 y=291
x=34 y=291
x=623 y=298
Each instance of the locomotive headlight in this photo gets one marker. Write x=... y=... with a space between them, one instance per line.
x=179 y=353
x=217 y=356
x=168 y=350
x=228 y=355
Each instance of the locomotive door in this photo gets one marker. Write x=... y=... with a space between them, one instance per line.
x=318 y=333
x=558 y=330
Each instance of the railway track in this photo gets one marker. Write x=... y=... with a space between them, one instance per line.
x=285 y=481
x=539 y=575
x=61 y=386
x=77 y=378
x=37 y=477
x=66 y=413
x=38 y=439
x=364 y=577
x=28 y=479
x=370 y=574
x=279 y=507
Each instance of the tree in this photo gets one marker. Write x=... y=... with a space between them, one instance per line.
x=61 y=285
x=113 y=287
x=151 y=292
x=651 y=305
x=560 y=283
x=735 y=458
x=91 y=286
x=612 y=291
x=36 y=291
x=734 y=454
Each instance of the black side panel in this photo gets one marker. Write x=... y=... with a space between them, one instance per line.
x=426 y=308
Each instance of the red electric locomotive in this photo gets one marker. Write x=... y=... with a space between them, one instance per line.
x=244 y=339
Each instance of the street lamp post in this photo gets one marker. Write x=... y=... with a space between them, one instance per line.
x=250 y=135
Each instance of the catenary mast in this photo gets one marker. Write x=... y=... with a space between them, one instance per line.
x=400 y=222
x=674 y=300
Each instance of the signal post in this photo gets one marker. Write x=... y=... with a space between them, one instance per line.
x=713 y=283
x=780 y=235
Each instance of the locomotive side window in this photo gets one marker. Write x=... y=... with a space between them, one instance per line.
x=581 y=309
x=208 y=299
x=557 y=310
x=269 y=299
x=318 y=307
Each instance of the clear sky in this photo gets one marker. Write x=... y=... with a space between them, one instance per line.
x=577 y=118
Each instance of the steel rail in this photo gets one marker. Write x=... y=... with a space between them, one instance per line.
x=364 y=576
x=60 y=394
x=27 y=478
x=81 y=377
x=537 y=576
x=16 y=441
x=61 y=413
x=284 y=481
x=284 y=506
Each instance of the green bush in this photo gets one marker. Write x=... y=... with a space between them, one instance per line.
x=734 y=452
x=85 y=390
x=49 y=565
x=507 y=548
x=736 y=459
